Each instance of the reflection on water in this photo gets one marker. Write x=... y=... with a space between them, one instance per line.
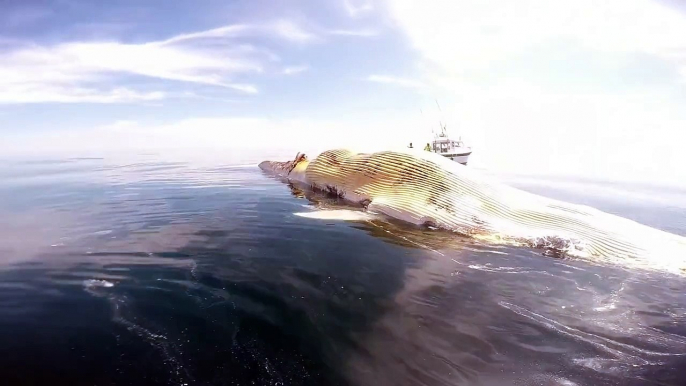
x=152 y=272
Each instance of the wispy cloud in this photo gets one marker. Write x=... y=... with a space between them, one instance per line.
x=295 y=69
x=403 y=82
x=96 y=72
x=284 y=29
x=478 y=37
x=227 y=31
x=204 y=134
x=60 y=94
x=357 y=8
x=352 y=32
x=524 y=70
x=293 y=32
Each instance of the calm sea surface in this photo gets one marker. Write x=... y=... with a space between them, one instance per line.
x=149 y=272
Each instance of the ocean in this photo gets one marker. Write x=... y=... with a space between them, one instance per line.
x=149 y=271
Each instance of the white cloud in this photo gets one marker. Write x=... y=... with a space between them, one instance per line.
x=200 y=135
x=295 y=69
x=403 y=82
x=353 y=32
x=227 y=31
x=357 y=8
x=282 y=28
x=246 y=88
x=293 y=32
x=84 y=71
x=72 y=95
x=477 y=57
x=472 y=33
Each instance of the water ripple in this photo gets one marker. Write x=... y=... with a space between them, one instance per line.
x=202 y=273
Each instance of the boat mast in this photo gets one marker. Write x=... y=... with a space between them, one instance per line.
x=440 y=123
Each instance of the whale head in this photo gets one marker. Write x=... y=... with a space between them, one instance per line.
x=284 y=168
x=293 y=170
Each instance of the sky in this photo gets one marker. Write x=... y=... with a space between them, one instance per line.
x=591 y=88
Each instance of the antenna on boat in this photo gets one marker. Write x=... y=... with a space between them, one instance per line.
x=440 y=123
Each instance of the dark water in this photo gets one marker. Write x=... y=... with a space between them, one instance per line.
x=117 y=272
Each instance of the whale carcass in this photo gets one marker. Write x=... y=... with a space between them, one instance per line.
x=424 y=188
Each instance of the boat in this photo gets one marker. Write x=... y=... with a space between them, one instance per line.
x=454 y=150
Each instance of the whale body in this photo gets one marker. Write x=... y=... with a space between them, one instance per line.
x=424 y=188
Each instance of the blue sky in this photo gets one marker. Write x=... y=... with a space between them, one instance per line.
x=583 y=87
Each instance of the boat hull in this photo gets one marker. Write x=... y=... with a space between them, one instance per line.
x=459 y=158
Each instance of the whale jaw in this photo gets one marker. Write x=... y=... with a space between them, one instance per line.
x=269 y=166
x=291 y=170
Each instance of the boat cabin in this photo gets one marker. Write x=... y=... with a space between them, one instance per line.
x=446 y=146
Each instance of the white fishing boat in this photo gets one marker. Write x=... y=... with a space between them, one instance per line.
x=454 y=150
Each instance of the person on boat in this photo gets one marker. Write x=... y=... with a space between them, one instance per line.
x=427 y=147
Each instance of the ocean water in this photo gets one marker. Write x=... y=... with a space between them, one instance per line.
x=145 y=271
